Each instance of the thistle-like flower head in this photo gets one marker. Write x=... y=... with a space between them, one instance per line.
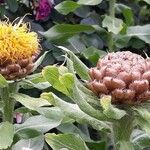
x=123 y=75
x=18 y=49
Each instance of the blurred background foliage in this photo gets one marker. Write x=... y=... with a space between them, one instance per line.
x=131 y=29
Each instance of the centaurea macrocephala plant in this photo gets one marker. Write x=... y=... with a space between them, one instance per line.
x=19 y=49
x=112 y=97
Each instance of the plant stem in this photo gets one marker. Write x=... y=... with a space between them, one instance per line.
x=8 y=105
x=8 y=102
x=122 y=130
x=111 y=14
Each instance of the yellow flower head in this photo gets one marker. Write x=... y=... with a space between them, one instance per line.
x=18 y=49
x=17 y=42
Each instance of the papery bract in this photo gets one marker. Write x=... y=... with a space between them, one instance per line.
x=123 y=75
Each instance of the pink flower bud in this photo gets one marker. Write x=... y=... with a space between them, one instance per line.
x=123 y=75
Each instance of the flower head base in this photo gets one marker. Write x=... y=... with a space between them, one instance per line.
x=18 y=49
x=123 y=75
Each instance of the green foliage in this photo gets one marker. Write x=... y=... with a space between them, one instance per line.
x=143 y=119
x=142 y=32
x=113 y=25
x=81 y=69
x=28 y=102
x=66 y=104
x=3 y=82
x=65 y=141
x=93 y=54
x=89 y=2
x=33 y=143
x=39 y=123
x=62 y=32
x=123 y=121
x=6 y=135
x=73 y=111
x=66 y=7
x=12 y=4
x=62 y=83
x=109 y=110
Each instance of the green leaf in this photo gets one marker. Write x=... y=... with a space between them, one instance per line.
x=141 y=32
x=121 y=40
x=65 y=141
x=67 y=80
x=129 y=17
x=12 y=4
x=6 y=135
x=63 y=83
x=74 y=112
x=3 y=82
x=127 y=13
x=143 y=119
x=70 y=128
x=141 y=139
x=2 y=10
x=88 y=94
x=125 y=145
x=28 y=134
x=93 y=54
x=51 y=112
x=39 y=123
x=51 y=74
x=76 y=44
x=62 y=32
x=30 y=144
x=113 y=25
x=96 y=145
x=34 y=81
x=39 y=61
x=27 y=84
x=80 y=67
x=80 y=99
x=66 y=7
x=109 y=110
x=30 y=102
x=147 y=1
x=89 y=2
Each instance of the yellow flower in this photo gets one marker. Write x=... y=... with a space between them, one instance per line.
x=16 y=42
x=18 y=49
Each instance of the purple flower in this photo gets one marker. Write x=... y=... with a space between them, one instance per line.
x=2 y=1
x=44 y=9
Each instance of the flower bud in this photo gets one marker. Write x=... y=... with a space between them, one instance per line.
x=123 y=75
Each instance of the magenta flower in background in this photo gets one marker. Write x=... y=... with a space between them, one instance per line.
x=18 y=117
x=2 y=1
x=44 y=9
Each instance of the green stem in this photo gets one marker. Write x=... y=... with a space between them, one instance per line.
x=8 y=105
x=111 y=14
x=122 y=130
x=8 y=102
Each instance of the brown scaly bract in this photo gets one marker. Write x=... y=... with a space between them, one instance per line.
x=123 y=75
